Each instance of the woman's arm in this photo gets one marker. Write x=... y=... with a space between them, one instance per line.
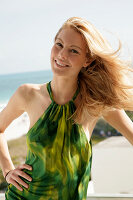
x=15 y=107
x=121 y=122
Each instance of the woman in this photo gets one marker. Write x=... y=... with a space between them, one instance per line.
x=88 y=82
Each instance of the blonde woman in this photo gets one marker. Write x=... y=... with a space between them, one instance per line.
x=89 y=81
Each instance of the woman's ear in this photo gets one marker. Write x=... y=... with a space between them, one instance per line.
x=87 y=60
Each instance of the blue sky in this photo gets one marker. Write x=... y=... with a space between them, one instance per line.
x=28 y=28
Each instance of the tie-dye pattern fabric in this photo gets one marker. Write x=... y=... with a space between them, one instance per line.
x=59 y=154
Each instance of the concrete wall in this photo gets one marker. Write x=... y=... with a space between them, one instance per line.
x=112 y=166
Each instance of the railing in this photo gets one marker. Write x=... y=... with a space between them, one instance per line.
x=98 y=196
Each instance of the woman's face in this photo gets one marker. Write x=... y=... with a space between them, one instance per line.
x=68 y=54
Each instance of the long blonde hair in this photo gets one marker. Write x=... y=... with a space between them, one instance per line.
x=106 y=83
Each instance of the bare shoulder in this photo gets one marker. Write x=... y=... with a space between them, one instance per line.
x=33 y=94
x=23 y=95
x=35 y=90
x=19 y=103
x=29 y=91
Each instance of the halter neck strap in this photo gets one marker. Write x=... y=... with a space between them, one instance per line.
x=51 y=94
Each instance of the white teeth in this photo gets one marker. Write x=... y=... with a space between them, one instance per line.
x=61 y=64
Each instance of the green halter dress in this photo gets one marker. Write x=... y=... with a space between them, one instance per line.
x=60 y=156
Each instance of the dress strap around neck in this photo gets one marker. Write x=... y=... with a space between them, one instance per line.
x=49 y=90
x=51 y=95
x=76 y=94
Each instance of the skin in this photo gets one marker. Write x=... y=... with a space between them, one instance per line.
x=64 y=81
x=34 y=99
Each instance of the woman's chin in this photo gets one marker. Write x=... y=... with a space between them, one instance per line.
x=59 y=72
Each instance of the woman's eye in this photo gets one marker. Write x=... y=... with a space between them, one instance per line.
x=59 y=44
x=74 y=51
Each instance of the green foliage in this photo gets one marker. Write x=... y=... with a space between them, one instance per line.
x=96 y=139
x=3 y=185
x=130 y=114
x=103 y=125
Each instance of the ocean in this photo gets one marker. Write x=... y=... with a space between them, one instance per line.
x=8 y=85
x=10 y=82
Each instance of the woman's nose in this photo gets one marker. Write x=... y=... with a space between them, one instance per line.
x=62 y=54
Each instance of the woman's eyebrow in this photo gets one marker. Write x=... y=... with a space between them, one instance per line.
x=71 y=45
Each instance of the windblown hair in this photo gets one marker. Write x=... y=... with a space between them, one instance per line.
x=106 y=83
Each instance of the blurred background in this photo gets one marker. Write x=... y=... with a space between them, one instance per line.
x=27 y=32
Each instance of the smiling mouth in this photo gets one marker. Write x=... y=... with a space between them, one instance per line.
x=60 y=65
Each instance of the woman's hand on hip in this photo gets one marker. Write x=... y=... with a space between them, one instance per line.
x=13 y=176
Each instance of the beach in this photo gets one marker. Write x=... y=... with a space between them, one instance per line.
x=18 y=127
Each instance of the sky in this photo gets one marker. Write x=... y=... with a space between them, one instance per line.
x=28 y=27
